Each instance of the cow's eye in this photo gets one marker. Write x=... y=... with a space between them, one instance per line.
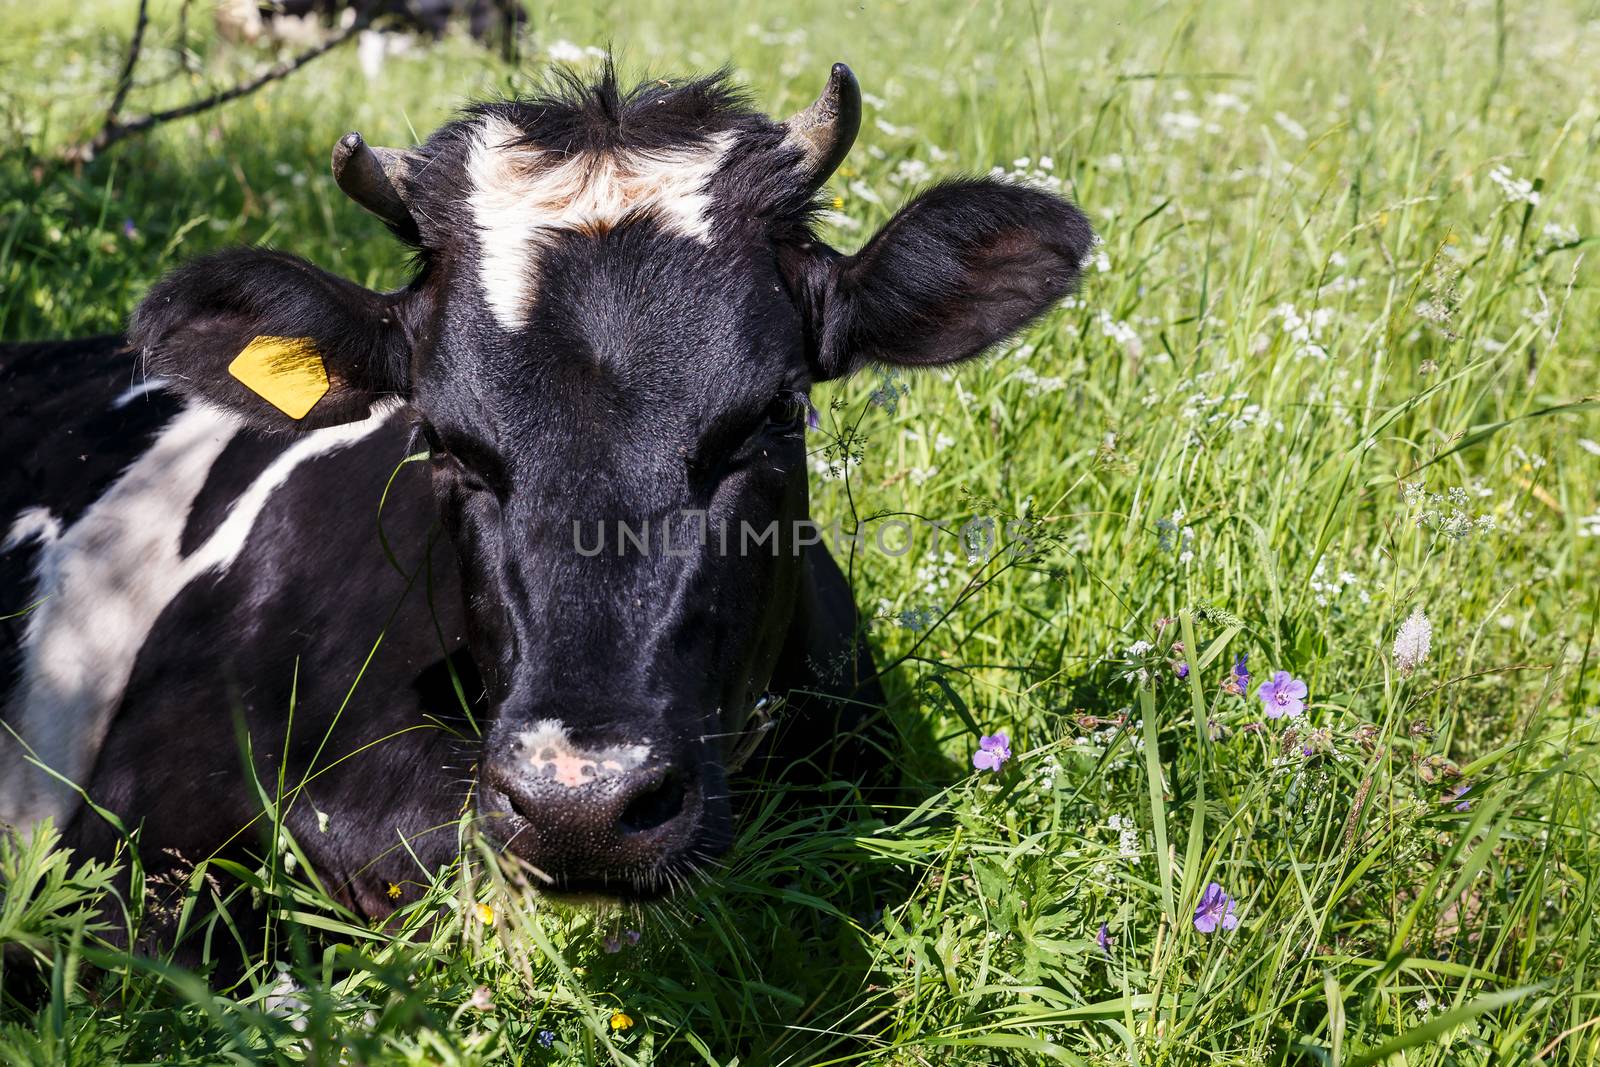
x=789 y=412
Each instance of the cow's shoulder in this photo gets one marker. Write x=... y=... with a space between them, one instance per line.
x=118 y=500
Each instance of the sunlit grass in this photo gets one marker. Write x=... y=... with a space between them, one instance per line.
x=1345 y=253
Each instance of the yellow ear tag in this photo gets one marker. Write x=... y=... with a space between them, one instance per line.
x=286 y=372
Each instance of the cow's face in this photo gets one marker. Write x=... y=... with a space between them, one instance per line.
x=618 y=314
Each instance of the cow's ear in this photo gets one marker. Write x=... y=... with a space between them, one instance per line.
x=962 y=267
x=283 y=344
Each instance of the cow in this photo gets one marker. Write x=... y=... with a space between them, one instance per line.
x=376 y=556
x=301 y=20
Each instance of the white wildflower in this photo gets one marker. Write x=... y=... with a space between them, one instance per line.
x=911 y=172
x=1516 y=190
x=865 y=192
x=1413 y=641
x=1127 y=837
x=564 y=51
x=1289 y=126
x=1121 y=333
x=1226 y=102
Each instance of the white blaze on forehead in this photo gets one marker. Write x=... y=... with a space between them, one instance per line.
x=101 y=585
x=550 y=752
x=522 y=196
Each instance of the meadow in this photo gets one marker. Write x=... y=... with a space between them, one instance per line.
x=1333 y=368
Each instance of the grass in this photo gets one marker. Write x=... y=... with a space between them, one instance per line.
x=1321 y=283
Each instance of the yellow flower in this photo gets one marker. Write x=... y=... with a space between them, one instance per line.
x=394 y=891
x=485 y=914
x=838 y=203
x=621 y=1021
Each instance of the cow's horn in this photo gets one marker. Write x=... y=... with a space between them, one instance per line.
x=373 y=178
x=826 y=130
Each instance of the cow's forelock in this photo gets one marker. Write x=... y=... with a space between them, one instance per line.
x=522 y=196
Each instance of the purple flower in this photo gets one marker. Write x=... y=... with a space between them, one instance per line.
x=129 y=230
x=1457 y=793
x=1181 y=669
x=1238 y=684
x=631 y=936
x=613 y=945
x=1215 y=909
x=993 y=751
x=813 y=416
x=1283 y=694
x=547 y=1037
x=1103 y=939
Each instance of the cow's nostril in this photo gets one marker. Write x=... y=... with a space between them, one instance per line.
x=655 y=806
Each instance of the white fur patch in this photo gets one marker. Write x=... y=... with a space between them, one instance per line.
x=102 y=584
x=32 y=524
x=549 y=750
x=522 y=195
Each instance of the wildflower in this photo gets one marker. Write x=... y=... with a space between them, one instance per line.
x=631 y=936
x=813 y=416
x=393 y=891
x=1238 y=683
x=1413 y=641
x=613 y=945
x=1289 y=126
x=1515 y=190
x=1437 y=768
x=546 y=1037
x=1283 y=695
x=129 y=230
x=1103 y=939
x=1127 y=836
x=993 y=751
x=481 y=1000
x=621 y=1021
x=1214 y=909
x=1456 y=794
x=485 y=914
x=1317 y=740
x=566 y=52
x=1366 y=737
x=1179 y=665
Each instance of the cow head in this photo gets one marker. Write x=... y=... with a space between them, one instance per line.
x=618 y=310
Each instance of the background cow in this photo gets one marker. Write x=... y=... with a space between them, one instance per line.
x=618 y=310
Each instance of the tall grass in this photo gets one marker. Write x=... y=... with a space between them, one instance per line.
x=1334 y=362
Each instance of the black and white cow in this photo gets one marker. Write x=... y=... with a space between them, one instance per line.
x=618 y=309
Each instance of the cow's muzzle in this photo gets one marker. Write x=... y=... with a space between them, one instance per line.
x=623 y=818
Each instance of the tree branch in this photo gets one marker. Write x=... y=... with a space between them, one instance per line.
x=115 y=128
x=125 y=79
